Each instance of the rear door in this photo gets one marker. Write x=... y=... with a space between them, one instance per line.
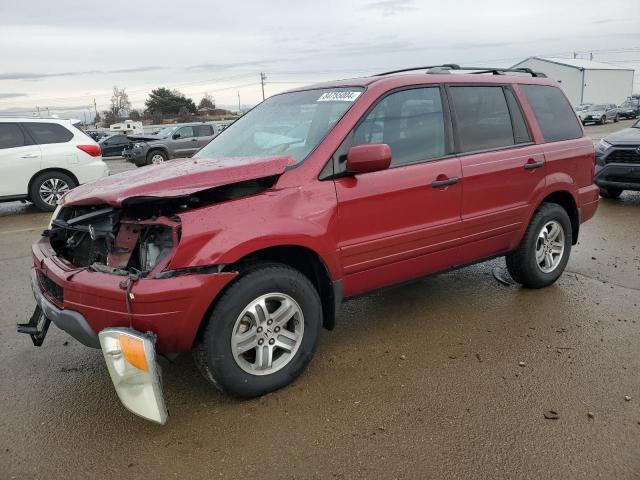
x=55 y=143
x=19 y=160
x=501 y=167
x=398 y=224
x=204 y=134
x=185 y=142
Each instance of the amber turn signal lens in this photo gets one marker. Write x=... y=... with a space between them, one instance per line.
x=133 y=351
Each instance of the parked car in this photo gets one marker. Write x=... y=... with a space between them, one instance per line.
x=600 y=113
x=580 y=109
x=113 y=145
x=618 y=162
x=41 y=159
x=629 y=108
x=176 y=141
x=244 y=252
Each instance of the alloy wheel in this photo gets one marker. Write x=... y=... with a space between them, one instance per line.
x=267 y=334
x=550 y=246
x=52 y=190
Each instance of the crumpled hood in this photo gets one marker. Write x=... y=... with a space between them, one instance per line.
x=625 y=136
x=146 y=138
x=174 y=179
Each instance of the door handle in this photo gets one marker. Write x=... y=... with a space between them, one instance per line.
x=531 y=165
x=444 y=183
x=30 y=155
x=194 y=139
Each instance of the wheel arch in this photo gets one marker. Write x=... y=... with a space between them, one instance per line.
x=566 y=200
x=306 y=261
x=47 y=170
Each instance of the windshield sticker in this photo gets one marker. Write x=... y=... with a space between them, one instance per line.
x=340 y=96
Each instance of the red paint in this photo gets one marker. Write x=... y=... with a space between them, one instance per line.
x=369 y=229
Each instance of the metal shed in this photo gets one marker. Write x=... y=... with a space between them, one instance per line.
x=585 y=81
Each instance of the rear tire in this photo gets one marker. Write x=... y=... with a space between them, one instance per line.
x=610 y=192
x=245 y=351
x=545 y=248
x=47 y=188
x=616 y=118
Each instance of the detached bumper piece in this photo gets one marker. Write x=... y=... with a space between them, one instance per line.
x=131 y=360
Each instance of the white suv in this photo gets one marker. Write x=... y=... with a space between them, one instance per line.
x=43 y=158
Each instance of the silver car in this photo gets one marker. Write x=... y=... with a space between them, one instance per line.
x=600 y=113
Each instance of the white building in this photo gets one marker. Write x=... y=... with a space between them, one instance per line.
x=585 y=81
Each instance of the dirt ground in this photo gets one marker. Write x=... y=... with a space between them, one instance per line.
x=446 y=377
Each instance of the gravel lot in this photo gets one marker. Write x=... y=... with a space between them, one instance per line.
x=446 y=377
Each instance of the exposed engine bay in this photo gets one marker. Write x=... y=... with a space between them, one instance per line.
x=136 y=238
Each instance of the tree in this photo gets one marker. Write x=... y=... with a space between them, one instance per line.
x=207 y=102
x=134 y=115
x=184 y=114
x=168 y=102
x=120 y=104
x=109 y=118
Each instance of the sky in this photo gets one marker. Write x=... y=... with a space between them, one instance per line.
x=62 y=54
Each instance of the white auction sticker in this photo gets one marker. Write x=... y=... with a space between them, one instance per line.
x=340 y=96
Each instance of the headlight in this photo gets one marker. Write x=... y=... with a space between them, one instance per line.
x=603 y=145
x=138 y=145
x=56 y=212
x=131 y=360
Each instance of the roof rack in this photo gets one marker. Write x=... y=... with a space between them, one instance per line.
x=476 y=70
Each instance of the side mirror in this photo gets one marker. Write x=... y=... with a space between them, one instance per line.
x=176 y=136
x=368 y=158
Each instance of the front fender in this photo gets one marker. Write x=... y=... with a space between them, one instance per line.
x=223 y=233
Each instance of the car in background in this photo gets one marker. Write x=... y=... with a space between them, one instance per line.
x=113 y=145
x=600 y=113
x=175 y=141
x=580 y=109
x=618 y=162
x=629 y=108
x=41 y=159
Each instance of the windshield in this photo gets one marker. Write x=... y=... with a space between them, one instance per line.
x=598 y=107
x=166 y=131
x=580 y=108
x=291 y=124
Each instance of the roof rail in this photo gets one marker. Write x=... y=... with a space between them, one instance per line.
x=476 y=70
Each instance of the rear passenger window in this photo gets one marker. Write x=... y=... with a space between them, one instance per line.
x=482 y=118
x=44 y=133
x=553 y=113
x=204 y=130
x=411 y=122
x=11 y=136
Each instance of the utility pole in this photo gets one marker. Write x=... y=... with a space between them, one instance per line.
x=263 y=77
x=239 y=107
x=95 y=107
x=48 y=113
x=591 y=56
x=38 y=108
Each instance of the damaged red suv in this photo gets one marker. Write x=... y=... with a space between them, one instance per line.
x=244 y=252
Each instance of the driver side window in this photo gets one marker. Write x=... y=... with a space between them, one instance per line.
x=410 y=121
x=185 y=132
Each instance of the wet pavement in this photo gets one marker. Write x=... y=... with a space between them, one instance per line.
x=446 y=377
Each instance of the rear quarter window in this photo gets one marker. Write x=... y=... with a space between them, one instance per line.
x=553 y=112
x=46 y=133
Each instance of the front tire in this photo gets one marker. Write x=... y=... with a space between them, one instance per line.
x=603 y=120
x=616 y=118
x=156 y=157
x=612 y=193
x=262 y=332
x=545 y=248
x=47 y=188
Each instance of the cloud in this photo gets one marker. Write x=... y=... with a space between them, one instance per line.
x=206 y=67
x=391 y=7
x=12 y=95
x=38 y=76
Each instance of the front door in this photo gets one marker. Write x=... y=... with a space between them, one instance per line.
x=403 y=222
x=185 y=143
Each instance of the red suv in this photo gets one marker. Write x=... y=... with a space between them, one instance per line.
x=245 y=251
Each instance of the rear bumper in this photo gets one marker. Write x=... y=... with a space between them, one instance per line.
x=625 y=176
x=171 y=308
